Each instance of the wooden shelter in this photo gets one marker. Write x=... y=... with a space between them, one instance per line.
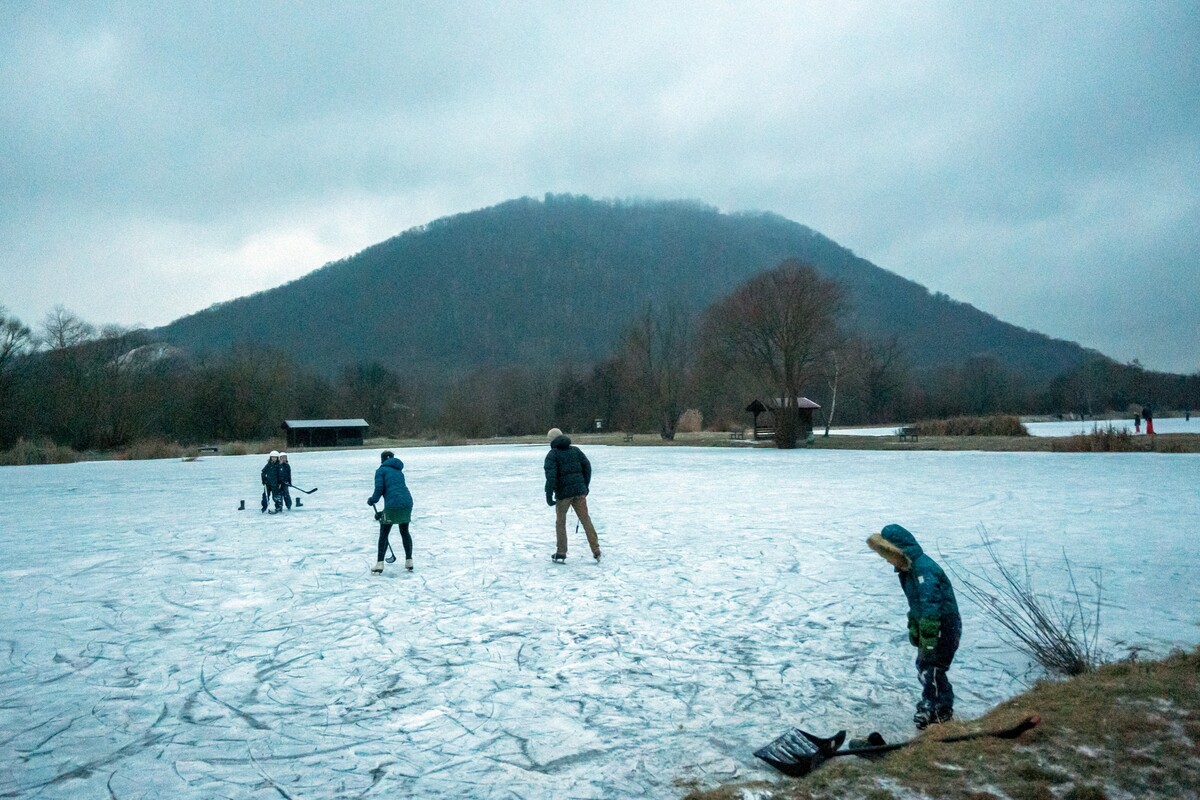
x=325 y=432
x=803 y=406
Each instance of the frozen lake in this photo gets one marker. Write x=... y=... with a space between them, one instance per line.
x=1053 y=428
x=159 y=643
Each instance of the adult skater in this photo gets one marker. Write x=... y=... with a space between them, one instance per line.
x=1148 y=415
x=397 y=507
x=270 y=482
x=568 y=476
x=934 y=626
x=285 y=480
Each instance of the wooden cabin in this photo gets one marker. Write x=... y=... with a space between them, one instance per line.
x=325 y=432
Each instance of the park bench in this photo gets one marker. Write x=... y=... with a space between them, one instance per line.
x=908 y=434
x=207 y=449
x=627 y=437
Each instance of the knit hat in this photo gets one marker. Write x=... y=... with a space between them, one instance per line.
x=553 y=434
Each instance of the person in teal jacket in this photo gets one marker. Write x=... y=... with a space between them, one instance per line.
x=934 y=624
x=397 y=507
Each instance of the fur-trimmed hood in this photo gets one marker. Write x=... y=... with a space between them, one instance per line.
x=897 y=545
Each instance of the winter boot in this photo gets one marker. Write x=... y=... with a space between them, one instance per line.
x=559 y=558
x=926 y=717
x=378 y=568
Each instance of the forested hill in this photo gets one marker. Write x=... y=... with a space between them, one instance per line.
x=547 y=282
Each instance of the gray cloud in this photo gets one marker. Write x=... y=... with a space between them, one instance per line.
x=1038 y=162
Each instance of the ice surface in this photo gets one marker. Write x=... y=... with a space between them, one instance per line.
x=158 y=643
x=1053 y=428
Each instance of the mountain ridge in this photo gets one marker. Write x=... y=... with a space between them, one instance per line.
x=552 y=281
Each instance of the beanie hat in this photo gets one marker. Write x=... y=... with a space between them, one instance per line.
x=274 y=454
x=283 y=455
x=553 y=434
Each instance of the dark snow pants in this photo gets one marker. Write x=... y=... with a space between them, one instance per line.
x=385 y=528
x=937 y=695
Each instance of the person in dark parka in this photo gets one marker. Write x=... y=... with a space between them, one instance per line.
x=568 y=478
x=397 y=507
x=270 y=482
x=934 y=624
x=285 y=480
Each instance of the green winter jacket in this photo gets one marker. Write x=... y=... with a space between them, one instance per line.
x=931 y=603
x=568 y=471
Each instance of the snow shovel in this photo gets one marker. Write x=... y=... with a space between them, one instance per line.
x=797 y=753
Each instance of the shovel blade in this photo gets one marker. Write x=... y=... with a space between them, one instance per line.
x=797 y=753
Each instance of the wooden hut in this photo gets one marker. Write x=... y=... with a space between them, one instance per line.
x=325 y=432
x=803 y=406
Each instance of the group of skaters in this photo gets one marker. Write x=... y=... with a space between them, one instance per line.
x=276 y=481
x=1146 y=414
x=934 y=624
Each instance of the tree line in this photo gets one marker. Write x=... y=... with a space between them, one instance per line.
x=780 y=334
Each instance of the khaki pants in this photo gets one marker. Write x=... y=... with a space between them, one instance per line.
x=560 y=522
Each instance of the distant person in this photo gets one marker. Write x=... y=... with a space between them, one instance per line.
x=397 y=507
x=1148 y=413
x=934 y=625
x=285 y=480
x=568 y=478
x=1187 y=415
x=1137 y=423
x=270 y=482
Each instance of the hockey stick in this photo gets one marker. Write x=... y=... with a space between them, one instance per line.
x=391 y=559
x=298 y=489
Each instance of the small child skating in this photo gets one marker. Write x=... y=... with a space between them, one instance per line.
x=934 y=625
x=270 y=482
x=285 y=480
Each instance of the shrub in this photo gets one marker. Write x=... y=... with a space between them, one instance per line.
x=690 y=421
x=1100 y=440
x=42 y=451
x=1060 y=637
x=235 y=449
x=1000 y=425
x=146 y=449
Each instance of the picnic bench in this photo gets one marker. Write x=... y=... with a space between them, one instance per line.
x=908 y=434
x=627 y=437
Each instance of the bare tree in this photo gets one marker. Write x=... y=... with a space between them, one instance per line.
x=15 y=338
x=777 y=330
x=62 y=329
x=656 y=353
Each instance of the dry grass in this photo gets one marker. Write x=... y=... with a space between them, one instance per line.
x=147 y=449
x=1124 y=730
x=1003 y=425
x=1063 y=638
x=41 y=451
x=1100 y=440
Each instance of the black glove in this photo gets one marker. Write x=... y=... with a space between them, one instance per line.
x=549 y=498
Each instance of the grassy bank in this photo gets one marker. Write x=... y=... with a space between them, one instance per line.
x=42 y=452
x=1126 y=730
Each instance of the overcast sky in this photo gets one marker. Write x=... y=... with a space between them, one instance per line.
x=1038 y=160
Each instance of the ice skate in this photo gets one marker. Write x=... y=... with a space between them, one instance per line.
x=559 y=558
x=378 y=568
x=408 y=564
